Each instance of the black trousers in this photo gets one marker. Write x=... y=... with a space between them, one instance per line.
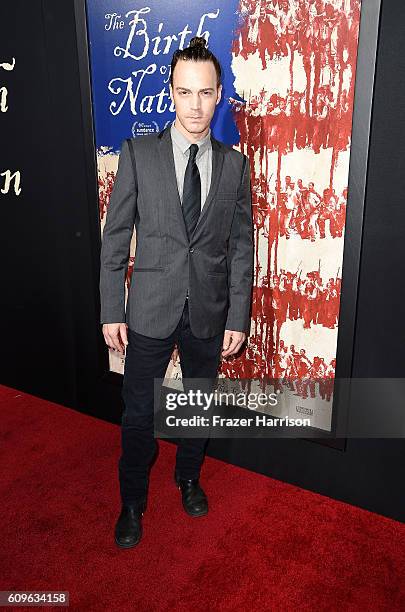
x=147 y=358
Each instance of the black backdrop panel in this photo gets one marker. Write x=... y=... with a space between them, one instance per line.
x=49 y=305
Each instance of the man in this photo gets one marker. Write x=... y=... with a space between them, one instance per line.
x=189 y=197
x=314 y=201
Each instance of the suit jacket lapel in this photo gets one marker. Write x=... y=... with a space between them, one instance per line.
x=169 y=175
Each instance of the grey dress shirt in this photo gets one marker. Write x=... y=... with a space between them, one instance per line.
x=181 y=153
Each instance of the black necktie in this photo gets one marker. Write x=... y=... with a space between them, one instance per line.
x=191 y=192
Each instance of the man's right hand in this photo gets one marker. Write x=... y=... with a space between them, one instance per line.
x=115 y=336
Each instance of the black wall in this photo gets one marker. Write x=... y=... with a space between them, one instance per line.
x=51 y=343
x=49 y=232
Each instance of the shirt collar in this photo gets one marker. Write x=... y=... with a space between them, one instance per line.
x=183 y=143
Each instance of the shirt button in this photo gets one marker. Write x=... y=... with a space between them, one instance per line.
x=191 y=250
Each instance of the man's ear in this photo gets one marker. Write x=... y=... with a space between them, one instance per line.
x=219 y=93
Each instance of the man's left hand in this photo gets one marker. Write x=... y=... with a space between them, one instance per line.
x=233 y=340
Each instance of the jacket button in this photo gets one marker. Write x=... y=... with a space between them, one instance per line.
x=191 y=250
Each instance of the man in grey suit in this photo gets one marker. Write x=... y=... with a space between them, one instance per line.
x=188 y=196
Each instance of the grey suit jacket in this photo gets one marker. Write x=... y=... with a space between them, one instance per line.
x=216 y=264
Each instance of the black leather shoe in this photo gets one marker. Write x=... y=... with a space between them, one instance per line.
x=128 y=530
x=194 y=500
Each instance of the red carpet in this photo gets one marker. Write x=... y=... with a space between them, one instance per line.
x=265 y=545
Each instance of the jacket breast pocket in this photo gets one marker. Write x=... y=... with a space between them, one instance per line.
x=226 y=195
x=147 y=269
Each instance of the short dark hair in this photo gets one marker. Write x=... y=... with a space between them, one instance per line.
x=198 y=52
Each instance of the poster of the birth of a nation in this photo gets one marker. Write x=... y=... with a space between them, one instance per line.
x=289 y=70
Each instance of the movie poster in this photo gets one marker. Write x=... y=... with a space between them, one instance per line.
x=289 y=74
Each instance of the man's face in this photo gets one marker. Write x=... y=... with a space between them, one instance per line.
x=195 y=95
